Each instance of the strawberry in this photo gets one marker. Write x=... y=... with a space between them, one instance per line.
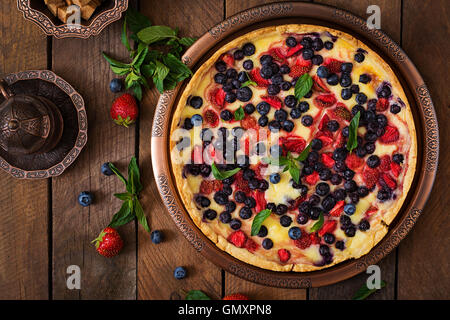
x=228 y=59
x=260 y=200
x=385 y=163
x=249 y=122
x=217 y=98
x=304 y=241
x=208 y=186
x=333 y=65
x=236 y=296
x=314 y=238
x=390 y=182
x=371 y=211
x=108 y=243
x=238 y=238
x=211 y=118
x=124 y=110
x=284 y=255
x=251 y=245
x=339 y=142
x=293 y=143
x=274 y=101
x=370 y=177
x=294 y=50
x=382 y=104
x=294 y=204
x=337 y=210
x=330 y=225
x=312 y=178
x=278 y=54
x=319 y=85
x=327 y=160
x=341 y=112
x=390 y=135
x=256 y=76
x=396 y=169
x=300 y=67
x=325 y=100
x=326 y=140
x=353 y=161
x=323 y=122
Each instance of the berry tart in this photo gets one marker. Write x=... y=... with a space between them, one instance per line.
x=293 y=148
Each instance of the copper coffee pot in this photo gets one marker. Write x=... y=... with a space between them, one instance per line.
x=28 y=124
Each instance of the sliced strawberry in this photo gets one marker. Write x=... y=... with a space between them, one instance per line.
x=326 y=140
x=396 y=169
x=339 y=142
x=370 y=177
x=353 y=161
x=385 y=163
x=390 y=182
x=293 y=143
x=314 y=238
x=325 y=100
x=294 y=204
x=329 y=226
x=300 y=67
x=304 y=242
x=249 y=122
x=294 y=50
x=251 y=245
x=341 y=112
x=260 y=200
x=217 y=98
x=327 y=160
x=319 y=85
x=312 y=178
x=333 y=65
x=208 y=186
x=274 y=101
x=211 y=118
x=284 y=255
x=371 y=211
x=390 y=135
x=278 y=54
x=323 y=122
x=238 y=238
x=382 y=104
x=228 y=59
x=256 y=76
x=337 y=210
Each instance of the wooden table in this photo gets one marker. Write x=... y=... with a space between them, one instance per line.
x=43 y=230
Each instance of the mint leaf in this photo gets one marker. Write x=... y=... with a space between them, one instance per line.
x=364 y=292
x=153 y=34
x=294 y=171
x=124 y=35
x=197 y=295
x=115 y=63
x=221 y=175
x=258 y=220
x=123 y=196
x=318 y=225
x=352 y=142
x=187 y=42
x=139 y=59
x=302 y=86
x=136 y=20
x=134 y=178
x=304 y=154
x=239 y=114
x=123 y=216
x=140 y=215
x=249 y=83
x=117 y=173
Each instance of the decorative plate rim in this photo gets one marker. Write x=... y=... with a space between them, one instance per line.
x=428 y=138
x=81 y=140
x=64 y=31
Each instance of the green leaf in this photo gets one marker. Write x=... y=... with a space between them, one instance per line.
x=221 y=175
x=140 y=215
x=187 y=42
x=304 y=154
x=303 y=85
x=352 y=142
x=120 y=70
x=134 y=185
x=294 y=171
x=318 y=225
x=249 y=83
x=124 y=35
x=136 y=20
x=258 y=220
x=160 y=74
x=239 y=114
x=148 y=70
x=364 y=292
x=137 y=90
x=175 y=65
x=117 y=173
x=197 y=295
x=115 y=63
x=139 y=59
x=123 y=216
x=153 y=34
x=123 y=196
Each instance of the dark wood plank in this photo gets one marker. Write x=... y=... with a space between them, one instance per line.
x=23 y=204
x=81 y=63
x=157 y=262
x=234 y=284
x=390 y=23
x=423 y=258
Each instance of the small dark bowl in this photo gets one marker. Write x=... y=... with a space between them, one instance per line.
x=36 y=11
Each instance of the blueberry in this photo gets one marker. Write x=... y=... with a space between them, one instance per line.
x=306 y=42
x=361 y=98
x=340 y=245
x=196 y=102
x=220 y=197
x=235 y=224
x=248 y=65
x=295 y=233
x=324 y=250
x=350 y=186
x=243 y=94
x=196 y=120
x=274 y=126
x=363 y=191
x=273 y=89
x=179 y=273
x=249 y=49
x=314 y=213
x=346 y=93
x=328 y=45
x=328 y=202
x=275 y=68
x=280 y=115
x=329 y=238
x=333 y=79
x=350 y=231
x=335 y=179
x=349 y=209
x=345 y=131
x=228 y=87
x=281 y=209
x=231 y=73
x=221 y=66
x=226 y=115
x=295 y=113
x=106 y=169
x=284 y=69
x=210 y=214
x=267 y=244
x=202 y=201
x=277 y=79
x=317 y=44
x=230 y=207
x=240 y=196
x=314 y=200
x=364 y=225
x=381 y=120
x=347 y=67
x=263 y=108
x=231 y=97
x=271 y=206
x=156 y=236
x=345 y=221
x=398 y=158
x=245 y=213
x=285 y=221
x=262 y=121
x=220 y=78
x=340 y=154
x=316 y=144
x=345 y=81
x=187 y=124
x=249 y=108
x=322 y=72
x=266 y=60
x=307 y=120
x=383 y=195
x=317 y=59
x=238 y=55
x=275 y=178
x=285 y=86
x=225 y=217
x=290 y=101
x=325 y=174
x=349 y=174
x=370 y=147
x=354 y=88
x=364 y=78
x=116 y=85
x=250 y=202
x=85 y=198
x=291 y=42
x=395 y=108
x=359 y=57
x=333 y=125
x=373 y=161
x=302 y=219
x=307 y=54
x=303 y=106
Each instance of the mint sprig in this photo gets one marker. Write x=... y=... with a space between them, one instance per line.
x=318 y=225
x=197 y=295
x=289 y=163
x=161 y=65
x=221 y=175
x=258 y=220
x=364 y=292
x=303 y=86
x=352 y=142
x=131 y=207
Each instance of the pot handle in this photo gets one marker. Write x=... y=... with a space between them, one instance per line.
x=4 y=89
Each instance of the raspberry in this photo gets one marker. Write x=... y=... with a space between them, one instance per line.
x=241 y=184
x=337 y=210
x=327 y=160
x=274 y=101
x=396 y=169
x=325 y=100
x=251 y=245
x=382 y=104
x=385 y=163
x=370 y=177
x=238 y=238
x=390 y=182
x=284 y=255
x=228 y=59
x=390 y=135
x=312 y=178
x=249 y=122
x=211 y=118
x=353 y=161
x=217 y=98
x=300 y=67
x=304 y=242
x=329 y=226
x=208 y=186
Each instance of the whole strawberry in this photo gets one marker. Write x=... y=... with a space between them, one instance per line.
x=108 y=243
x=124 y=110
x=236 y=296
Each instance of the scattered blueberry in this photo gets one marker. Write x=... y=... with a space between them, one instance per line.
x=346 y=93
x=317 y=60
x=238 y=55
x=307 y=54
x=347 y=67
x=395 y=108
x=328 y=45
x=373 y=161
x=291 y=42
x=221 y=66
x=262 y=232
x=398 y=158
x=364 y=78
x=248 y=65
x=156 y=236
x=307 y=120
x=196 y=120
x=85 y=198
x=333 y=79
x=196 y=102
x=249 y=49
x=116 y=85
x=106 y=169
x=235 y=224
x=179 y=273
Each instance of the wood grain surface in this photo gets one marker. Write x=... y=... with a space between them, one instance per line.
x=44 y=230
